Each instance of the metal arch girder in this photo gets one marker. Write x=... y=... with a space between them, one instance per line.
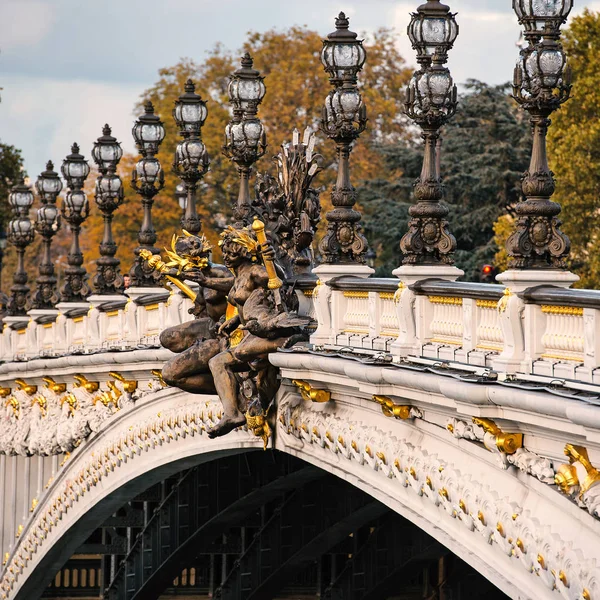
x=382 y=548
x=318 y=546
x=201 y=540
x=421 y=559
x=119 y=579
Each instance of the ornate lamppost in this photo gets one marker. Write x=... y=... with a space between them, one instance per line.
x=3 y=296
x=430 y=102
x=107 y=153
x=191 y=158
x=344 y=119
x=20 y=235
x=147 y=180
x=48 y=186
x=75 y=209
x=245 y=138
x=542 y=82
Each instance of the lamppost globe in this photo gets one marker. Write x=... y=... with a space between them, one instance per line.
x=148 y=170
x=3 y=241
x=432 y=30
x=539 y=15
x=48 y=217
x=148 y=131
x=75 y=168
x=76 y=205
x=191 y=153
x=48 y=184
x=246 y=86
x=190 y=110
x=107 y=152
x=21 y=197
x=343 y=55
x=21 y=228
x=108 y=186
x=345 y=104
x=545 y=66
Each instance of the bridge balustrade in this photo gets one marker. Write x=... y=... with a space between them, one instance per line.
x=544 y=330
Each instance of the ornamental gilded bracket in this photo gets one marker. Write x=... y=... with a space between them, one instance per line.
x=507 y=443
x=579 y=479
x=311 y=394
x=400 y=411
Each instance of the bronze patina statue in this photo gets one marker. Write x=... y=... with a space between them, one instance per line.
x=244 y=379
x=244 y=311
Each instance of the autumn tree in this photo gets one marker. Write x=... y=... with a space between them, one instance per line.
x=296 y=89
x=574 y=148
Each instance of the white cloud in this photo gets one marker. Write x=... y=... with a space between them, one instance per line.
x=24 y=22
x=44 y=117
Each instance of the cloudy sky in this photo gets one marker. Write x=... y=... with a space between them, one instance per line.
x=69 y=66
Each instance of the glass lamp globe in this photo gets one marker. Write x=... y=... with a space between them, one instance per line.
x=544 y=66
x=343 y=55
x=109 y=186
x=75 y=168
x=190 y=110
x=148 y=131
x=20 y=229
x=148 y=170
x=536 y=15
x=190 y=153
x=246 y=87
x=76 y=203
x=48 y=215
x=432 y=29
x=107 y=152
x=48 y=184
x=253 y=132
x=346 y=104
x=21 y=197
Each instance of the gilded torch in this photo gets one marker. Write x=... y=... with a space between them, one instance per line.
x=274 y=282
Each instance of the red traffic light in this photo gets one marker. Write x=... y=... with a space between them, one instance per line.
x=487 y=269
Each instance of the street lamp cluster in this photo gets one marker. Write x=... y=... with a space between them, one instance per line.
x=344 y=119
x=430 y=102
x=191 y=158
x=541 y=84
x=245 y=138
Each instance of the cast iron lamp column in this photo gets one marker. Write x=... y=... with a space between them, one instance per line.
x=147 y=180
x=181 y=197
x=107 y=153
x=344 y=119
x=191 y=158
x=75 y=210
x=47 y=224
x=20 y=235
x=245 y=138
x=542 y=82
x=430 y=102
x=3 y=296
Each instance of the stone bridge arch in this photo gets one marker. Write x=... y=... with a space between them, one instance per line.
x=529 y=541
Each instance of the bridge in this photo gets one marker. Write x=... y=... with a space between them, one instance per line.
x=425 y=437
